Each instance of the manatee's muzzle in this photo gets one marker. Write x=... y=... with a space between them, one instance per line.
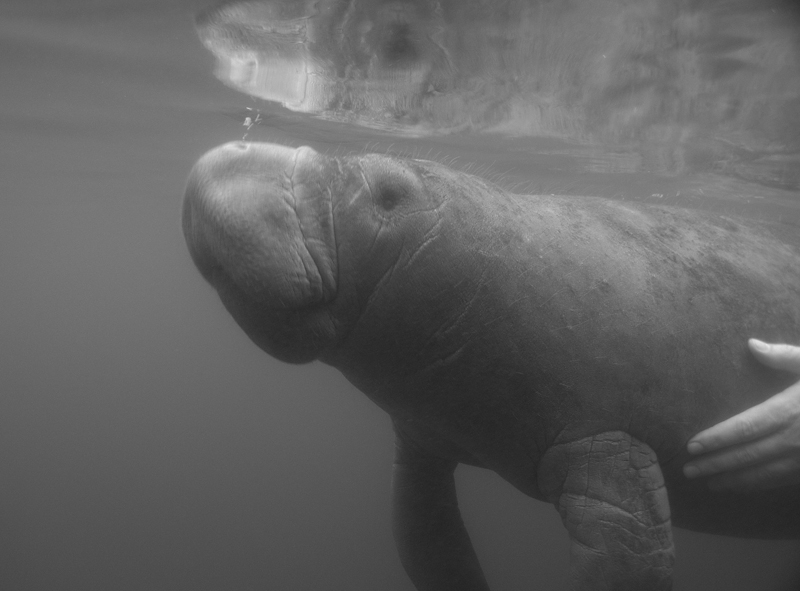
x=257 y=218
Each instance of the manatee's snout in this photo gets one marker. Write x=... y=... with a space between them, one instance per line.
x=258 y=222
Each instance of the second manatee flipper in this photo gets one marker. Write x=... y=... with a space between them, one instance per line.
x=610 y=493
x=433 y=543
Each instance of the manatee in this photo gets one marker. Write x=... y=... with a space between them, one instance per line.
x=572 y=345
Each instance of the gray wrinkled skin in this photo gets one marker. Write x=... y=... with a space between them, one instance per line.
x=571 y=345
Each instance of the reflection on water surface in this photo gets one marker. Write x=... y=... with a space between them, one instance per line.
x=652 y=86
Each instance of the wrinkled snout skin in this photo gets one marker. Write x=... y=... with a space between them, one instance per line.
x=259 y=228
x=261 y=223
x=493 y=326
x=247 y=212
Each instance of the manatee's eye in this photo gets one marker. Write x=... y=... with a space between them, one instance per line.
x=393 y=185
x=390 y=193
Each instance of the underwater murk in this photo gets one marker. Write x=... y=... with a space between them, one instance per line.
x=145 y=442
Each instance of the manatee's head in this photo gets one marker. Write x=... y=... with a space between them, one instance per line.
x=298 y=244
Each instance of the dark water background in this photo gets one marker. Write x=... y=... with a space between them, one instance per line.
x=145 y=444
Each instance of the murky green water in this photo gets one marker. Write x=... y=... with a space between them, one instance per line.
x=144 y=442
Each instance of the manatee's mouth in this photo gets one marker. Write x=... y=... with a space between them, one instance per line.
x=258 y=221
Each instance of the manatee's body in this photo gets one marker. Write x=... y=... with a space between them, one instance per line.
x=565 y=343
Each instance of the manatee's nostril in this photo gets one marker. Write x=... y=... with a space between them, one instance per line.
x=240 y=145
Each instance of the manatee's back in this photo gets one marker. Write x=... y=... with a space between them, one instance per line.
x=594 y=315
x=712 y=282
x=546 y=317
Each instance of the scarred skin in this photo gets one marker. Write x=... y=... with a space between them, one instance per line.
x=572 y=345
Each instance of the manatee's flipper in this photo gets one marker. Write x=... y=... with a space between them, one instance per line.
x=432 y=541
x=610 y=493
